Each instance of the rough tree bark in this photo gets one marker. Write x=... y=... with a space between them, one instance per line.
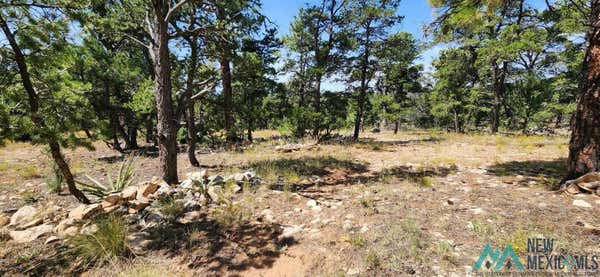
x=34 y=106
x=364 y=83
x=166 y=129
x=584 y=147
x=227 y=97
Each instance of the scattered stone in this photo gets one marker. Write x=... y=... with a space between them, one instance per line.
x=581 y=203
x=477 y=210
x=290 y=231
x=139 y=242
x=51 y=239
x=30 y=234
x=452 y=201
x=348 y=225
x=114 y=198
x=198 y=175
x=214 y=192
x=189 y=217
x=23 y=216
x=216 y=179
x=353 y=271
x=187 y=184
x=84 y=211
x=164 y=191
x=235 y=188
x=63 y=225
x=89 y=229
x=147 y=188
x=364 y=229
x=70 y=231
x=153 y=219
x=32 y=223
x=138 y=205
x=311 y=203
x=267 y=215
x=4 y=220
x=129 y=193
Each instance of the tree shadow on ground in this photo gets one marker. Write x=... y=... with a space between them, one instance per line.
x=549 y=171
x=377 y=145
x=216 y=248
x=145 y=151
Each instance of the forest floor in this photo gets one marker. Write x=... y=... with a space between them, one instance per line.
x=416 y=203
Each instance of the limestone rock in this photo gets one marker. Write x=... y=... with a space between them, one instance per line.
x=89 y=229
x=30 y=234
x=70 y=231
x=51 y=239
x=189 y=217
x=84 y=211
x=138 y=205
x=198 y=175
x=581 y=203
x=290 y=231
x=114 y=198
x=129 y=193
x=147 y=188
x=4 y=220
x=23 y=216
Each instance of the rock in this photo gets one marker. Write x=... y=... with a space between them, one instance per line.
x=108 y=207
x=89 y=229
x=187 y=184
x=477 y=210
x=139 y=242
x=138 y=205
x=84 y=211
x=113 y=199
x=215 y=192
x=198 y=175
x=147 y=188
x=153 y=219
x=364 y=229
x=239 y=178
x=573 y=189
x=290 y=231
x=311 y=203
x=129 y=193
x=4 y=220
x=24 y=215
x=316 y=209
x=353 y=271
x=30 y=234
x=452 y=201
x=348 y=225
x=191 y=204
x=267 y=215
x=32 y=223
x=216 y=179
x=163 y=191
x=51 y=239
x=70 y=231
x=235 y=188
x=189 y=217
x=63 y=225
x=581 y=203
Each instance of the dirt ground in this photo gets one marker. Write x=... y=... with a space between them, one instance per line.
x=416 y=203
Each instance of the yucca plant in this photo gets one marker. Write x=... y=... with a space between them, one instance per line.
x=124 y=179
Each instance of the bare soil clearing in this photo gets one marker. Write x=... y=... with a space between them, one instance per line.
x=416 y=203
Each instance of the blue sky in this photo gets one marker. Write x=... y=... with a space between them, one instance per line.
x=416 y=14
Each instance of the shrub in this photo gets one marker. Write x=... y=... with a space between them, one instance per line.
x=107 y=243
x=124 y=179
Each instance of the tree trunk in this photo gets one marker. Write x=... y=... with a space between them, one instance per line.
x=191 y=134
x=34 y=106
x=66 y=171
x=584 y=147
x=363 y=86
x=396 y=126
x=227 y=97
x=166 y=125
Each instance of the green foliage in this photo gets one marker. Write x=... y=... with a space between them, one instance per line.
x=55 y=179
x=125 y=177
x=107 y=243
